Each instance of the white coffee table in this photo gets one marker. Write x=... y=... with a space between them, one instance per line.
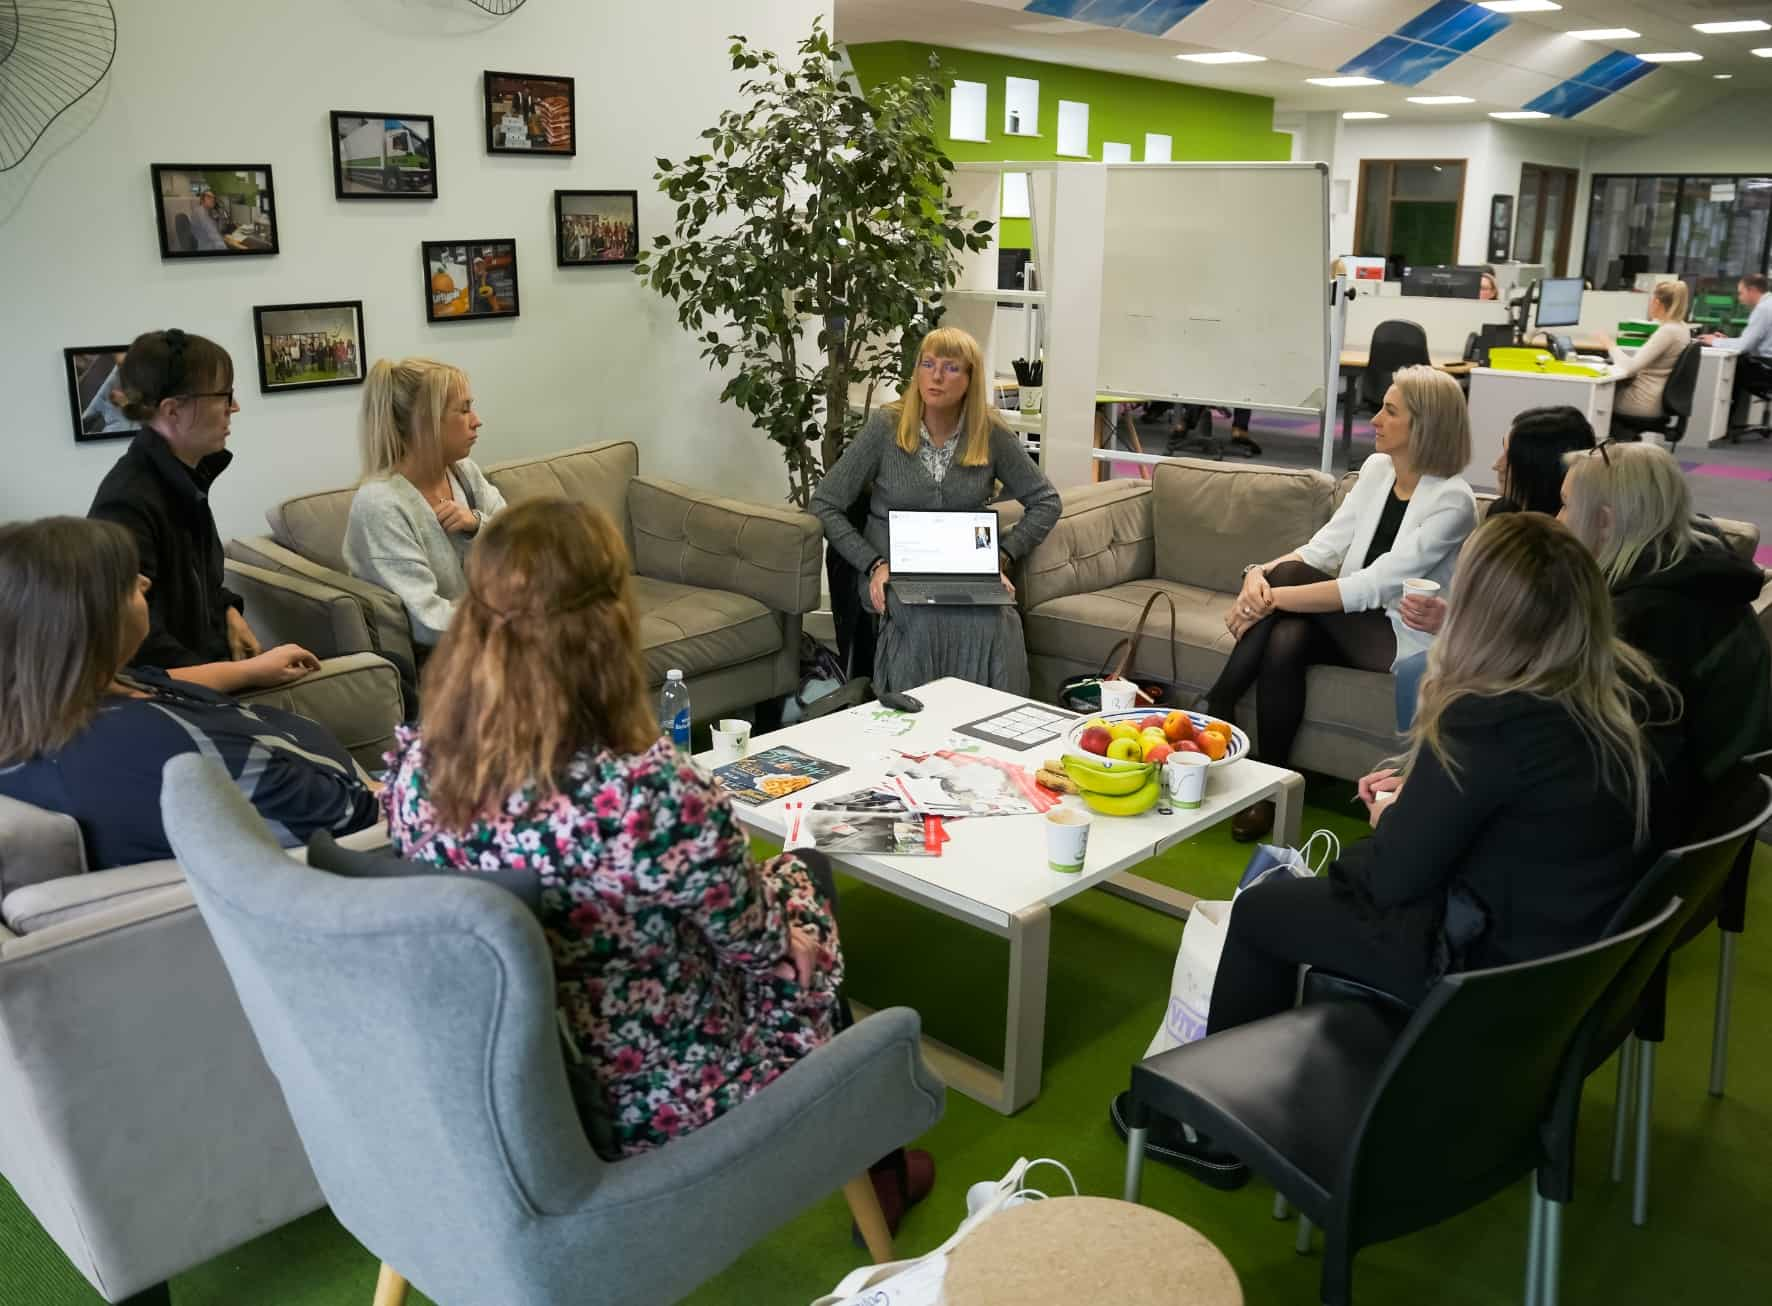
x=993 y=873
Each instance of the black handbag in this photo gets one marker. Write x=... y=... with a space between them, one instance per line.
x=1083 y=693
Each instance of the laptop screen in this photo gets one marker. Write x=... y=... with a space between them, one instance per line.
x=942 y=543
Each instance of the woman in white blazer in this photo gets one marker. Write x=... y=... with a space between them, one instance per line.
x=1337 y=599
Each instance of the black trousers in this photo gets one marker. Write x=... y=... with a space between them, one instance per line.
x=1280 y=925
x=1276 y=652
x=1750 y=370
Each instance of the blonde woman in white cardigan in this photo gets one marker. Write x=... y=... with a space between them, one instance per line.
x=1338 y=599
x=1644 y=375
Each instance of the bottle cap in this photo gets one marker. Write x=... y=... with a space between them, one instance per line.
x=673 y=674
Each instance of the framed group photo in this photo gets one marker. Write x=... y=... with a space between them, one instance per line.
x=309 y=346
x=214 y=210
x=384 y=156
x=92 y=393
x=596 y=227
x=530 y=114
x=470 y=279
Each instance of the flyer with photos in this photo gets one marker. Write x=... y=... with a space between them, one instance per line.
x=773 y=773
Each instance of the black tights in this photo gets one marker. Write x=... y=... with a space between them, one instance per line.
x=1275 y=654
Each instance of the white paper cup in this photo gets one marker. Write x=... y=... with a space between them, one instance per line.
x=1031 y=398
x=1421 y=588
x=1185 y=776
x=1118 y=695
x=732 y=740
x=1067 y=839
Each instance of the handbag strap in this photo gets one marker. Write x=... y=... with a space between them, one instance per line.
x=1131 y=655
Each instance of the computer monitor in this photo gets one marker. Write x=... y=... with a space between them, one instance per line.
x=1445 y=282
x=1559 y=301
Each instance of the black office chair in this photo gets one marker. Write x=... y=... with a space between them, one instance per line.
x=1753 y=377
x=1344 y=1105
x=1396 y=343
x=182 y=234
x=1676 y=402
x=1731 y=925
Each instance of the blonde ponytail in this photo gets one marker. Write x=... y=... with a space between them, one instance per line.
x=404 y=404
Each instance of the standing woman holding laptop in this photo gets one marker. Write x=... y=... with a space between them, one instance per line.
x=937 y=450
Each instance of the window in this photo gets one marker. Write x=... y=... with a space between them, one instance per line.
x=1073 y=128
x=1021 y=106
x=966 y=112
x=1545 y=217
x=1158 y=147
x=1412 y=208
x=1707 y=230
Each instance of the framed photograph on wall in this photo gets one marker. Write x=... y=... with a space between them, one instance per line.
x=309 y=346
x=470 y=279
x=384 y=156
x=596 y=227
x=530 y=114
x=214 y=210
x=92 y=385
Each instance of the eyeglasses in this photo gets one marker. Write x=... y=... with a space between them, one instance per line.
x=945 y=366
x=227 y=394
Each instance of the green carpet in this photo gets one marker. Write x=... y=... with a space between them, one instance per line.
x=1712 y=1181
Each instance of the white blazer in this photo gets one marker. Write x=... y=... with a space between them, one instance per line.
x=1441 y=513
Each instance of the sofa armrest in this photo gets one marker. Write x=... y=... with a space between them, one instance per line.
x=770 y=554
x=381 y=616
x=39 y=906
x=1103 y=538
x=283 y=608
x=357 y=698
x=37 y=845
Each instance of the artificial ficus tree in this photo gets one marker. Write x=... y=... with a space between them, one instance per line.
x=814 y=205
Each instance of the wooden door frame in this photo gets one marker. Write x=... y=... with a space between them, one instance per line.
x=1463 y=166
x=1558 y=261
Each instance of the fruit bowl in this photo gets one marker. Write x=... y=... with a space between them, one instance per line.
x=1239 y=744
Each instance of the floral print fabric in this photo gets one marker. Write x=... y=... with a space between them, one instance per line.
x=665 y=936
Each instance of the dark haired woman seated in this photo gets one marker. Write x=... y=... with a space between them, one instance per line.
x=81 y=737
x=688 y=975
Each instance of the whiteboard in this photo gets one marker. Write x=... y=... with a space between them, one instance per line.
x=1215 y=284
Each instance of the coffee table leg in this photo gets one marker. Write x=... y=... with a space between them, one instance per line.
x=1289 y=811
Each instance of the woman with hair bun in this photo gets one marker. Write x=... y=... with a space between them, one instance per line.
x=422 y=499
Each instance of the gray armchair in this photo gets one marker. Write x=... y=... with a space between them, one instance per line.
x=411 y=1026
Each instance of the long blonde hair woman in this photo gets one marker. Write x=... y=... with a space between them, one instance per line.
x=1680 y=596
x=938 y=449
x=422 y=499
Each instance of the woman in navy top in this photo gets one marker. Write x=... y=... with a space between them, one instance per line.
x=81 y=737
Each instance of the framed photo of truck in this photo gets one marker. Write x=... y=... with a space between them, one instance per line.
x=384 y=156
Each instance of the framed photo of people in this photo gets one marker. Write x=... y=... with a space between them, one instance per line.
x=92 y=393
x=596 y=227
x=384 y=156
x=214 y=210
x=531 y=114
x=470 y=279
x=309 y=346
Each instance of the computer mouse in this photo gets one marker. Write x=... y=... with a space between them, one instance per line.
x=902 y=702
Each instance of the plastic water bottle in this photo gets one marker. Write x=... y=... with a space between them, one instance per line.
x=673 y=708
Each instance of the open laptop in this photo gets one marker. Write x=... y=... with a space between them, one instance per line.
x=945 y=557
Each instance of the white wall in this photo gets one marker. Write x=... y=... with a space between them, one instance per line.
x=595 y=355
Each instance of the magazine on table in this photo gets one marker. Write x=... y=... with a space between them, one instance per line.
x=865 y=821
x=773 y=773
x=952 y=784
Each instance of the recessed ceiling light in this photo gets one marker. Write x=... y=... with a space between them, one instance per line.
x=1735 y=25
x=1517 y=6
x=1363 y=115
x=1223 y=56
x=1344 y=81
x=1765 y=52
x=1520 y=114
x=1606 y=34
x=1671 y=56
x=1721 y=77
x=1441 y=99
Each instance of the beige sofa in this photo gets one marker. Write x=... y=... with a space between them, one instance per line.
x=1189 y=531
x=721 y=584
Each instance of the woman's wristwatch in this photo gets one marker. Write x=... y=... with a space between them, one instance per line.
x=1254 y=566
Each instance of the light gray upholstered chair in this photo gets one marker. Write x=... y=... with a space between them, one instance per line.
x=411 y=1026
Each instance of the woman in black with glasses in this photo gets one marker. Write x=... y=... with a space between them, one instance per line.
x=180 y=387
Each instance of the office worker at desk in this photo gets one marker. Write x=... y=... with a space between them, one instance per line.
x=1754 y=344
x=937 y=448
x=1642 y=377
x=1336 y=599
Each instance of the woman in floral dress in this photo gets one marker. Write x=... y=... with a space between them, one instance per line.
x=688 y=976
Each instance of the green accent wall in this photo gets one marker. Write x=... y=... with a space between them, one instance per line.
x=1206 y=125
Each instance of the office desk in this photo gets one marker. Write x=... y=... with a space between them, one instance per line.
x=1497 y=397
x=1709 y=423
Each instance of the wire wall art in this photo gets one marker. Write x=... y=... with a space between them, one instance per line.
x=52 y=54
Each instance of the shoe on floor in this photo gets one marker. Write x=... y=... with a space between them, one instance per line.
x=1254 y=822
x=901 y=1180
x=1167 y=1143
x=1241 y=443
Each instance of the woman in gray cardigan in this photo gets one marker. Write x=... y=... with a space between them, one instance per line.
x=421 y=501
x=937 y=449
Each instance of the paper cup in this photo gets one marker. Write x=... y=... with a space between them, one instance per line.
x=1185 y=776
x=1031 y=398
x=1118 y=695
x=732 y=740
x=1067 y=839
x=1421 y=588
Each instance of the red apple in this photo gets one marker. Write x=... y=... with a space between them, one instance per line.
x=1178 y=726
x=1152 y=722
x=1157 y=754
x=1187 y=746
x=1095 y=740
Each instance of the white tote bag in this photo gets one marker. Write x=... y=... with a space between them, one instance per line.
x=918 y=1282
x=1202 y=941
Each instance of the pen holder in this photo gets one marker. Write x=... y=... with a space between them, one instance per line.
x=1031 y=397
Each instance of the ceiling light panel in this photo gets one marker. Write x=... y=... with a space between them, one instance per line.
x=1441 y=99
x=1606 y=34
x=1671 y=56
x=1519 y=114
x=1344 y=81
x=1363 y=115
x=1734 y=25
x=1518 y=6
x=1223 y=56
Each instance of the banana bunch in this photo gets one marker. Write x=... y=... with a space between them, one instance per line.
x=1123 y=791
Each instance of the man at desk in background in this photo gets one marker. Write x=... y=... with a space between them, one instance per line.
x=208 y=223
x=1754 y=344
